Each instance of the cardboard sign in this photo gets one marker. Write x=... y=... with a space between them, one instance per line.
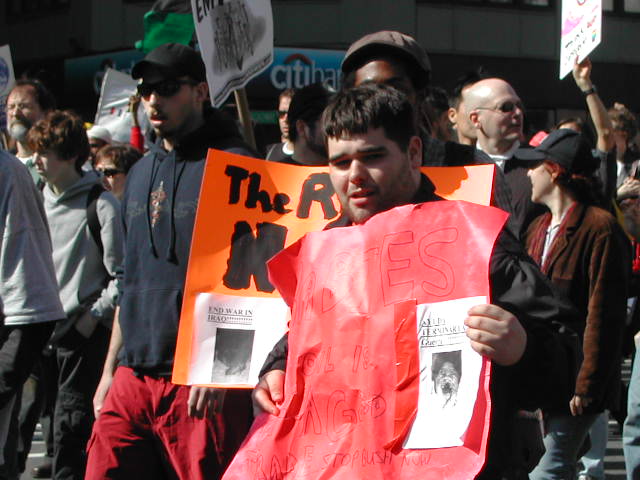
x=350 y=398
x=248 y=211
x=236 y=42
x=581 y=31
x=7 y=80
x=113 y=105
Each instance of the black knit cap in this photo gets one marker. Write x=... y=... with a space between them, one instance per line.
x=392 y=44
x=567 y=148
x=171 y=60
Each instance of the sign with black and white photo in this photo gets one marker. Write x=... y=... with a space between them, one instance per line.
x=236 y=42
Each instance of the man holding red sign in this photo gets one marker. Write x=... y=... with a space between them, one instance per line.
x=375 y=157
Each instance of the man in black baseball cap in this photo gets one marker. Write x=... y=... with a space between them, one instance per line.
x=146 y=426
x=398 y=60
x=171 y=60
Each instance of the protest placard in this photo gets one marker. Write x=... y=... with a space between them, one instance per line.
x=581 y=31
x=236 y=42
x=248 y=211
x=349 y=397
x=113 y=106
x=7 y=80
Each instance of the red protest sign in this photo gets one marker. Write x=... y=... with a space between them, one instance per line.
x=351 y=381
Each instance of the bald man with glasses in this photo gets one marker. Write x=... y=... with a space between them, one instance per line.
x=497 y=115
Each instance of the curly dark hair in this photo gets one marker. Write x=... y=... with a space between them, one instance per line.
x=622 y=119
x=122 y=155
x=63 y=133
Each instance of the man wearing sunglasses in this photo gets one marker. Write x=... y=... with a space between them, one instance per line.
x=283 y=151
x=497 y=114
x=148 y=427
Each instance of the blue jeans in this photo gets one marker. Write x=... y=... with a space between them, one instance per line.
x=593 y=460
x=565 y=435
x=631 y=430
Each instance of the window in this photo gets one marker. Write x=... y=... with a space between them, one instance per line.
x=18 y=10
x=509 y=3
x=632 y=6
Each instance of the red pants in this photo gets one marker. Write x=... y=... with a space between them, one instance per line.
x=144 y=432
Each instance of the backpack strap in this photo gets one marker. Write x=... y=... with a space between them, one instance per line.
x=92 y=215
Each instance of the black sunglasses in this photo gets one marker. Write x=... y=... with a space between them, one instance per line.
x=282 y=113
x=506 y=107
x=165 y=88
x=110 y=172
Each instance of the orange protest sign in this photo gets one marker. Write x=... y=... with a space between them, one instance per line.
x=249 y=210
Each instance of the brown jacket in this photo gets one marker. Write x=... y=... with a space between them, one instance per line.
x=590 y=263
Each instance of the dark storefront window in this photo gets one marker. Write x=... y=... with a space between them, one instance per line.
x=18 y=10
x=507 y=3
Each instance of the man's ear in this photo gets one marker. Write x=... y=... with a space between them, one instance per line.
x=452 y=115
x=474 y=118
x=302 y=130
x=202 y=91
x=414 y=151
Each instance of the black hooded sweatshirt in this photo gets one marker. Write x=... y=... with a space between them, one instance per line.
x=159 y=207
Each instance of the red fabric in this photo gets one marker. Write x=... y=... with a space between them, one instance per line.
x=538 y=138
x=348 y=396
x=539 y=237
x=136 y=139
x=636 y=257
x=144 y=432
x=407 y=372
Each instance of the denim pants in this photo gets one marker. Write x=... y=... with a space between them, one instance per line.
x=631 y=430
x=593 y=460
x=565 y=435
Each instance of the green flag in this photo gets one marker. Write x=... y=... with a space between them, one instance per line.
x=168 y=21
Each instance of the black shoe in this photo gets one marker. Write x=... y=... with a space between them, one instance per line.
x=42 y=471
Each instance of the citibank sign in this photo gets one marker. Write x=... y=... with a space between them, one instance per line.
x=295 y=68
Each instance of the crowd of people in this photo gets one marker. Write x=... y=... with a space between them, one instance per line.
x=96 y=239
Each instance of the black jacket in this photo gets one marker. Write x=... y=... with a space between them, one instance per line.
x=546 y=373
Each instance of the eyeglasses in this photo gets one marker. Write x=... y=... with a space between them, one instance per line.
x=282 y=113
x=166 y=88
x=109 y=172
x=506 y=107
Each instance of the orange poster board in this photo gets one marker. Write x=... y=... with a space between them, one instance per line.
x=249 y=210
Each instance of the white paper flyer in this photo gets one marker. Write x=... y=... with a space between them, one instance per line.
x=449 y=375
x=233 y=336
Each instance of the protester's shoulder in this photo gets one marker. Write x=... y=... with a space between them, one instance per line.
x=142 y=164
x=12 y=170
x=224 y=134
x=598 y=220
x=107 y=203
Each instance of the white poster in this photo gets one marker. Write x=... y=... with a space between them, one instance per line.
x=236 y=42
x=233 y=336
x=7 y=80
x=581 y=31
x=112 y=112
x=449 y=375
